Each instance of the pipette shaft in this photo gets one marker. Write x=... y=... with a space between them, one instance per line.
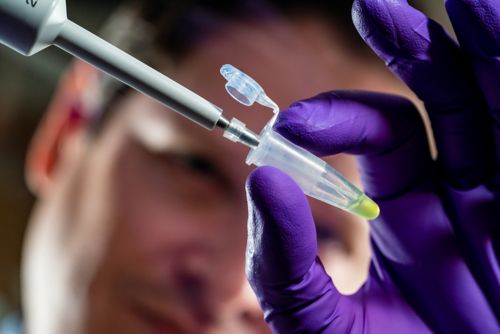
x=83 y=44
x=29 y=27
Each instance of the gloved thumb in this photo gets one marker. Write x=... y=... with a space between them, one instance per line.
x=294 y=291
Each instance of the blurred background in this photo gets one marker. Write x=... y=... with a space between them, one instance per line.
x=26 y=86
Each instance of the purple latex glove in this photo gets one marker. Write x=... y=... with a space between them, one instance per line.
x=434 y=267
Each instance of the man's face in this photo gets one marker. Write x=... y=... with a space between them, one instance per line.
x=175 y=253
x=144 y=230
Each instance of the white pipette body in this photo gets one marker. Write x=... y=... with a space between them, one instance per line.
x=29 y=26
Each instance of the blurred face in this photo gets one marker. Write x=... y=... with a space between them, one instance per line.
x=144 y=228
x=174 y=257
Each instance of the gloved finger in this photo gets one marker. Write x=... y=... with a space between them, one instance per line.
x=297 y=296
x=294 y=291
x=477 y=25
x=386 y=130
x=396 y=170
x=475 y=218
x=389 y=311
x=431 y=63
x=420 y=52
x=420 y=250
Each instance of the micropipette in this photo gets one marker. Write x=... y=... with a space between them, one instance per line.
x=29 y=26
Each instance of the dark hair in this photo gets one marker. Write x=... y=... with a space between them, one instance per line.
x=179 y=24
x=153 y=29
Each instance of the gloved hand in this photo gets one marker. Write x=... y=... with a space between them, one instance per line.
x=434 y=266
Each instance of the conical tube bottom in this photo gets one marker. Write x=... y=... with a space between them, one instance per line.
x=365 y=207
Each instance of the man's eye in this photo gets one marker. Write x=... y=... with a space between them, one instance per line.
x=197 y=165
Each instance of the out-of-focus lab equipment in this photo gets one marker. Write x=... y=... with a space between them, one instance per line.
x=29 y=26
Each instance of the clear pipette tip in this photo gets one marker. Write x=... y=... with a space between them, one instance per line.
x=314 y=176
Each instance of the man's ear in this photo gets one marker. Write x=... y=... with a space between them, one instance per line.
x=65 y=117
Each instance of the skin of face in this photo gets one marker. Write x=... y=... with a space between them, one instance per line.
x=142 y=228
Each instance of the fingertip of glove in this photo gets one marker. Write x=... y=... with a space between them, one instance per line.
x=394 y=29
x=267 y=181
x=375 y=23
x=414 y=47
x=307 y=113
x=349 y=121
x=304 y=122
x=275 y=196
